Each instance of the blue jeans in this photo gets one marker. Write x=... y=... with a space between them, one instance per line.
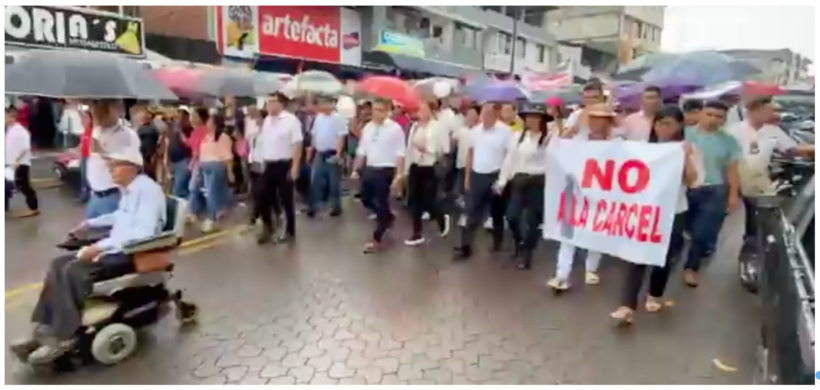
x=181 y=178
x=212 y=177
x=707 y=209
x=97 y=206
x=325 y=175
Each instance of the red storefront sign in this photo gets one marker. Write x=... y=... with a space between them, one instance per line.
x=309 y=32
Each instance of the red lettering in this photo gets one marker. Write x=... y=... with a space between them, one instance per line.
x=561 y=206
x=642 y=180
x=599 y=224
x=604 y=177
x=655 y=235
x=632 y=213
x=643 y=223
x=582 y=219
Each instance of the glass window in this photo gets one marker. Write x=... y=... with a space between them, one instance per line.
x=466 y=35
x=534 y=19
x=540 y=53
x=504 y=43
x=520 y=48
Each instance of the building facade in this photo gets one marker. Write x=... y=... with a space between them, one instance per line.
x=610 y=35
x=781 y=67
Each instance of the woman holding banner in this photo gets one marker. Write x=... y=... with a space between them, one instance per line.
x=667 y=126
x=523 y=169
x=600 y=126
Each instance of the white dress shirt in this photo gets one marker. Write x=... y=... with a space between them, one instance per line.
x=450 y=125
x=252 y=133
x=489 y=147
x=71 y=121
x=524 y=156
x=382 y=145
x=112 y=139
x=279 y=134
x=18 y=144
x=430 y=137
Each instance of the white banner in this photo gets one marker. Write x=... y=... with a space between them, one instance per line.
x=350 y=47
x=615 y=197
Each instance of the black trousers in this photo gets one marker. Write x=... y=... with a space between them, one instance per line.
x=256 y=189
x=68 y=283
x=525 y=211
x=658 y=276
x=422 y=186
x=276 y=194
x=22 y=182
x=481 y=197
x=751 y=219
x=376 y=197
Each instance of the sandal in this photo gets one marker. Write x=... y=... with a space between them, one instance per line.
x=558 y=285
x=653 y=305
x=623 y=315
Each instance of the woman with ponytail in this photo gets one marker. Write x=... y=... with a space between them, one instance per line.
x=523 y=170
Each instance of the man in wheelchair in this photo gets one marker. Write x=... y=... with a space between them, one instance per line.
x=141 y=214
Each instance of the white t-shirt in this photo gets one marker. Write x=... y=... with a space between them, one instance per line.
x=252 y=133
x=462 y=137
x=489 y=147
x=524 y=156
x=18 y=143
x=759 y=145
x=71 y=121
x=430 y=137
x=382 y=145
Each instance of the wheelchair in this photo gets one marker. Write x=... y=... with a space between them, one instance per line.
x=118 y=307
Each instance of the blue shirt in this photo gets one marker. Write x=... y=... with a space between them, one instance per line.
x=326 y=131
x=717 y=150
x=140 y=215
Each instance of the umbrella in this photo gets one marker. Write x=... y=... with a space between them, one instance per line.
x=392 y=88
x=83 y=75
x=235 y=82
x=670 y=88
x=440 y=87
x=703 y=68
x=497 y=91
x=570 y=94
x=633 y=70
x=734 y=88
x=313 y=82
x=180 y=80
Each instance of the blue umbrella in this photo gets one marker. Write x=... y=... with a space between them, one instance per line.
x=497 y=91
x=702 y=68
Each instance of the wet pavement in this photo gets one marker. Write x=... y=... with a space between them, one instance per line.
x=320 y=311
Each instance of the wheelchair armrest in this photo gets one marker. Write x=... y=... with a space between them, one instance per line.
x=165 y=240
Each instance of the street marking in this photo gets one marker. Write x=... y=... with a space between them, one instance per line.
x=44 y=180
x=187 y=247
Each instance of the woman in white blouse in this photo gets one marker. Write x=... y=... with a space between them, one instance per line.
x=427 y=142
x=667 y=126
x=524 y=167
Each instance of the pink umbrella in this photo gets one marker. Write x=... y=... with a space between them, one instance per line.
x=179 y=80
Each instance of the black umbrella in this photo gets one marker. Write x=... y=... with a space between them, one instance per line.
x=82 y=75
x=236 y=82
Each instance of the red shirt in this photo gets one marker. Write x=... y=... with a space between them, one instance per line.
x=196 y=139
x=85 y=139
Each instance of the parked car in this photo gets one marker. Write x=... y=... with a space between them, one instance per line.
x=783 y=266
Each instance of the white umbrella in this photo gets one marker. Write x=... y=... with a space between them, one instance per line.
x=314 y=82
x=440 y=87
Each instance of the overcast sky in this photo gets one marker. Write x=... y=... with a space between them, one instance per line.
x=740 y=27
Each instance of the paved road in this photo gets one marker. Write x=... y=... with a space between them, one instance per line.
x=322 y=312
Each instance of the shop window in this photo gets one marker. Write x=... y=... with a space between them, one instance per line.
x=540 y=51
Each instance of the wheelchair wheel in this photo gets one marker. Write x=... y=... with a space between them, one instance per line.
x=114 y=343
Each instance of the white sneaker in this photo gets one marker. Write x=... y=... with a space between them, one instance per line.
x=447 y=225
x=207 y=226
x=462 y=221
x=592 y=278
x=425 y=216
x=371 y=217
x=488 y=224
x=414 y=241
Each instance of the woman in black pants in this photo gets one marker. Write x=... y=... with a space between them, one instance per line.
x=666 y=127
x=426 y=144
x=523 y=173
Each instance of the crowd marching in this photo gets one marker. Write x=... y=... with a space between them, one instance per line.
x=453 y=161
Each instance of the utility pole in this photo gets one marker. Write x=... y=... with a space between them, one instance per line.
x=519 y=15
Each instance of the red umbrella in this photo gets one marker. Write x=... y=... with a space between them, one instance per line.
x=179 y=80
x=755 y=88
x=392 y=88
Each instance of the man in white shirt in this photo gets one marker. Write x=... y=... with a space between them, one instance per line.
x=18 y=163
x=592 y=93
x=381 y=152
x=110 y=135
x=328 y=135
x=758 y=140
x=489 y=142
x=281 y=140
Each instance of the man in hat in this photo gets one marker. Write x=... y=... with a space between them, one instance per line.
x=141 y=214
x=18 y=163
x=110 y=135
x=326 y=152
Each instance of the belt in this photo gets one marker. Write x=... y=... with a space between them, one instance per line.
x=105 y=193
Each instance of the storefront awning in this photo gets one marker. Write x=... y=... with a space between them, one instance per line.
x=415 y=64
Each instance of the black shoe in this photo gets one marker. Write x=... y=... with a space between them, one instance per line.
x=462 y=253
x=265 y=236
x=526 y=261
x=310 y=214
x=336 y=213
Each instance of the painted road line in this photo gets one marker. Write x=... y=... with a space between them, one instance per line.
x=186 y=247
